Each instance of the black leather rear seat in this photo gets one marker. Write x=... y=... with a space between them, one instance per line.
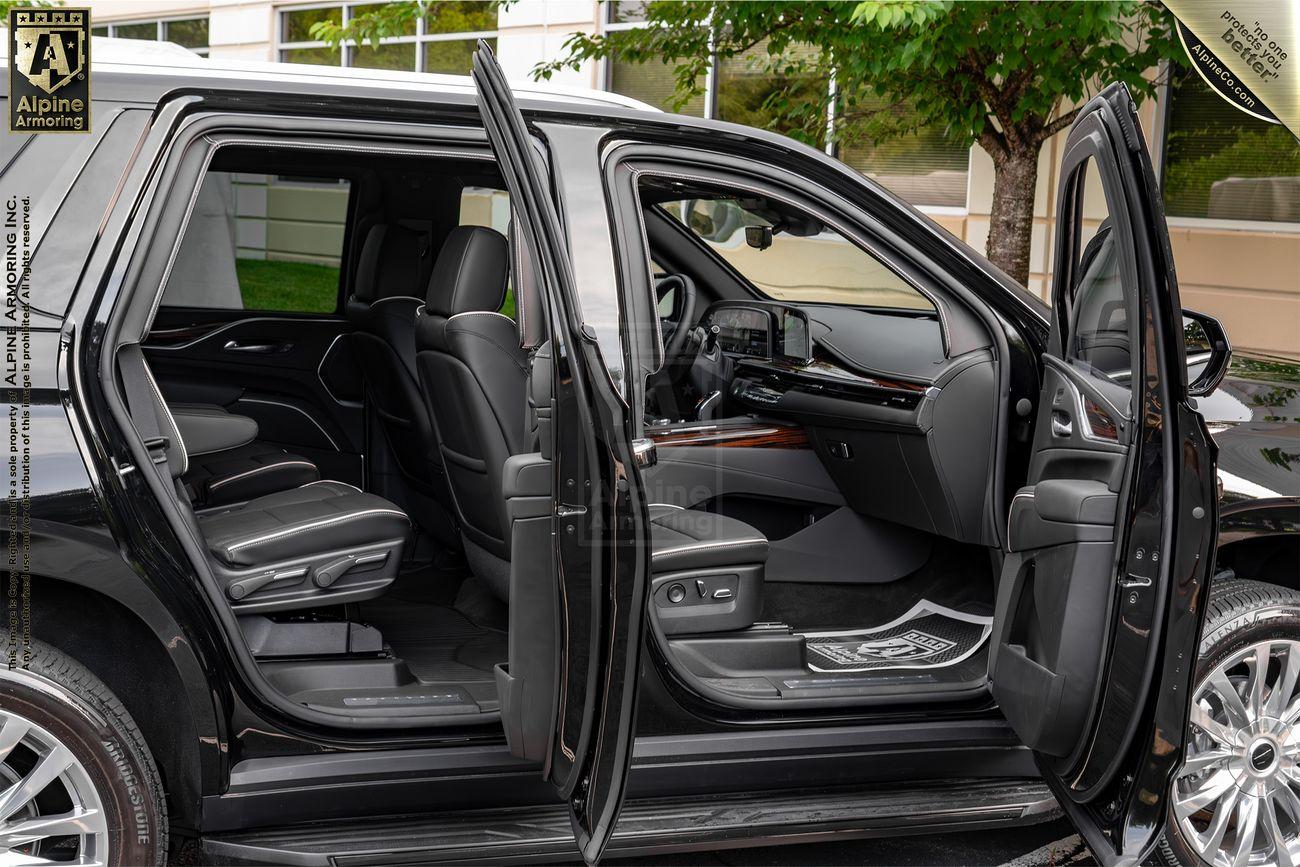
x=245 y=473
x=324 y=543
x=290 y=524
x=684 y=539
x=227 y=463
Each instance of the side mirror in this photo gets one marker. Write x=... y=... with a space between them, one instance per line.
x=1208 y=352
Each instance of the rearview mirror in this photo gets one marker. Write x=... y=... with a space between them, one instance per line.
x=758 y=237
x=1208 y=352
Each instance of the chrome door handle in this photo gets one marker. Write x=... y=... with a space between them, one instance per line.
x=256 y=348
x=644 y=453
x=1061 y=425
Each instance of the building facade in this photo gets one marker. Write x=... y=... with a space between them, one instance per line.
x=1231 y=184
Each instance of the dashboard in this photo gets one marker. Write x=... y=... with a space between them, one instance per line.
x=899 y=404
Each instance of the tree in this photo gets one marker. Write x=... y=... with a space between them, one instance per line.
x=6 y=5
x=1007 y=76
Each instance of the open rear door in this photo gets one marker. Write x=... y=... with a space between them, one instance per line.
x=1111 y=541
x=596 y=537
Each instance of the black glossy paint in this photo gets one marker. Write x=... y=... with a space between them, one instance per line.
x=105 y=532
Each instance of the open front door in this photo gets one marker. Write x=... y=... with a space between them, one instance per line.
x=1111 y=541
x=596 y=539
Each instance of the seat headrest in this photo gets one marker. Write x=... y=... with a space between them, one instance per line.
x=393 y=263
x=470 y=274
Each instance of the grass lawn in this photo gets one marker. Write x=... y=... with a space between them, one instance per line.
x=299 y=287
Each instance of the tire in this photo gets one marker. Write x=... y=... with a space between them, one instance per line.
x=66 y=714
x=1241 y=614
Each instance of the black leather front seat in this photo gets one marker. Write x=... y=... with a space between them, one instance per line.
x=473 y=375
x=391 y=276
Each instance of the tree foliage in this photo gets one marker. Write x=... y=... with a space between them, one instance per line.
x=1001 y=73
x=1005 y=75
x=399 y=18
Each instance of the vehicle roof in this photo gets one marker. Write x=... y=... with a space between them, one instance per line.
x=171 y=65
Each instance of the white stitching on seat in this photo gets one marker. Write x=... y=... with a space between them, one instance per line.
x=293 y=531
x=331 y=482
x=481 y=313
x=148 y=374
x=214 y=485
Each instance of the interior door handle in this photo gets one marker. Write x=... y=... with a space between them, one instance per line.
x=256 y=348
x=1061 y=425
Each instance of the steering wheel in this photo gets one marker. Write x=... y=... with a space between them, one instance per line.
x=677 y=340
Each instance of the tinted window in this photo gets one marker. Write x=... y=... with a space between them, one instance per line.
x=791 y=256
x=262 y=242
x=1099 y=329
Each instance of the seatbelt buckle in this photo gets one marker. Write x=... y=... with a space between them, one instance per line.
x=157 y=448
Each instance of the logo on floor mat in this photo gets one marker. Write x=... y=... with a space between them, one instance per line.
x=909 y=645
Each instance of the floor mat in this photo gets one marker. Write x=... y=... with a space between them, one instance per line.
x=927 y=636
x=438 y=643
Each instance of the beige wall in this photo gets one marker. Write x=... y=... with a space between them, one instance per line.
x=1249 y=277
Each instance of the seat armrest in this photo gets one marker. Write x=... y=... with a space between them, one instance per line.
x=1075 y=501
x=526 y=475
x=208 y=428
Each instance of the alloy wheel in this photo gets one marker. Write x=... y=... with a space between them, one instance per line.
x=50 y=811
x=1237 y=796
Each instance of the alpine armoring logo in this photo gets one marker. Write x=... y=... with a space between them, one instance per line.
x=49 y=70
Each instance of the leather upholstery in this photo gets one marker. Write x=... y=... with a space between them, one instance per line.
x=315 y=518
x=394 y=261
x=470 y=273
x=473 y=376
x=208 y=428
x=237 y=475
x=390 y=278
x=690 y=539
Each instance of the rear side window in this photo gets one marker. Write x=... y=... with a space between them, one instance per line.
x=269 y=242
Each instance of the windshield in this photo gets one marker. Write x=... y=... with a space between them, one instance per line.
x=788 y=255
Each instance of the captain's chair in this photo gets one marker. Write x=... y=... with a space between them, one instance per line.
x=473 y=376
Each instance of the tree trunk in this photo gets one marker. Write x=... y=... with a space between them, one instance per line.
x=1011 y=225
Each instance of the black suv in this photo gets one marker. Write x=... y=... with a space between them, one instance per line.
x=407 y=476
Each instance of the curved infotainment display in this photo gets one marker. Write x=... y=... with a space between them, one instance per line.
x=763 y=330
x=743 y=330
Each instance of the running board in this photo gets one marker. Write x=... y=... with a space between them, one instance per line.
x=645 y=827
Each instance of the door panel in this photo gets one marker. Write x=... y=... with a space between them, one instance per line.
x=292 y=374
x=600 y=518
x=1119 y=487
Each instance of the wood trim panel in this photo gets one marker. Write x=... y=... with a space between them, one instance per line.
x=752 y=435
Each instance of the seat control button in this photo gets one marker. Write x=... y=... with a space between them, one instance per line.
x=723 y=593
x=700 y=588
x=676 y=593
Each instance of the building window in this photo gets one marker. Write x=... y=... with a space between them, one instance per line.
x=1222 y=164
x=191 y=33
x=443 y=40
x=925 y=168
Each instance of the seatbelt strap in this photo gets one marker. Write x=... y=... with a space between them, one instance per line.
x=141 y=404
